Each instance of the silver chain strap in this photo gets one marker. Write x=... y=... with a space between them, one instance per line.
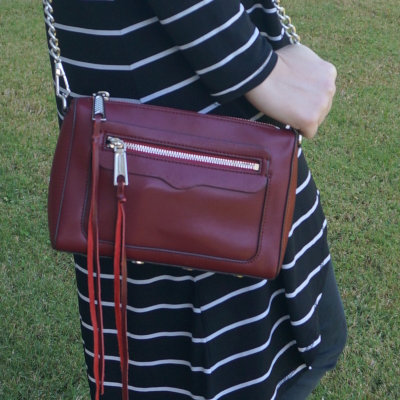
x=286 y=23
x=55 y=51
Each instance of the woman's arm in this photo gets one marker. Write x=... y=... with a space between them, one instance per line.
x=220 y=43
x=225 y=49
x=299 y=91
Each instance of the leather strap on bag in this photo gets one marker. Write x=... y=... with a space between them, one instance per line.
x=121 y=294
x=93 y=265
x=120 y=267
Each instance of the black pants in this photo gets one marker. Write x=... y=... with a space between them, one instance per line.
x=333 y=330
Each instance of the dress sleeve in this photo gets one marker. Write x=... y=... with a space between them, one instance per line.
x=220 y=42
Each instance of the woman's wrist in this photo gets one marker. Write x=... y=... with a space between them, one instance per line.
x=299 y=90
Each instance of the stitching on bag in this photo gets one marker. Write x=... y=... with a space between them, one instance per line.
x=85 y=200
x=65 y=169
x=294 y=154
x=87 y=185
x=189 y=113
x=269 y=179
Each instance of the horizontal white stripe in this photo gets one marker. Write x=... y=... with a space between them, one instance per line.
x=151 y=389
x=274 y=38
x=209 y=108
x=170 y=89
x=286 y=378
x=311 y=346
x=305 y=216
x=249 y=352
x=215 y=31
x=155 y=279
x=77 y=95
x=260 y=6
x=201 y=369
x=306 y=247
x=105 y=67
x=307 y=280
x=103 y=32
x=234 y=294
x=299 y=152
x=309 y=315
x=131 y=67
x=304 y=184
x=258 y=380
x=188 y=334
x=123 y=99
x=146 y=363
x=143 y=310
x=195 y=397
x=140 y=337
x=233 y=88
x=240 y=323
x=185 y=12
x=231 y=56
x=182 y=305
x=257 y=116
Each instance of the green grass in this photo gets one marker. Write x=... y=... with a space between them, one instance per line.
x=40 y=345
x=355 y=161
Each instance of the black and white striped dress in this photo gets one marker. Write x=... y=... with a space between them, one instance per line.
x=197 y=335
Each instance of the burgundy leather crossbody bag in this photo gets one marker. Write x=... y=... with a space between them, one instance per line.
x=159 y=185
x=205 y=192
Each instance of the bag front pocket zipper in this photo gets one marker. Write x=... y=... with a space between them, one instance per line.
x=121 y=147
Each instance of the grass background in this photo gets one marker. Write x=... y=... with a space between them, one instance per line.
x=355 y=161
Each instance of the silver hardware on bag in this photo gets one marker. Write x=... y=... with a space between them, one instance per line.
x=286 y=23
x=98 y=104
x=60 y=73
x=120 y=164
x=300 y=140
x=200 y=158
x=299 y=135
x=55 y=53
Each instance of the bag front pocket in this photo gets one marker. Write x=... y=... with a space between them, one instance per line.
x=187 y=199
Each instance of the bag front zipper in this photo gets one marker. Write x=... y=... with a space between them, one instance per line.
x=140 y=148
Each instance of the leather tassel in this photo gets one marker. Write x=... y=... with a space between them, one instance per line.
x=120 y=267
x=93 y=265
x=121 y=294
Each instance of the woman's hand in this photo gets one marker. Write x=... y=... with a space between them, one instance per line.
x=299 y=91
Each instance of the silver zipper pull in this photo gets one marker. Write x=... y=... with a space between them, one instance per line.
x=120 y=164
x=98 y=104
